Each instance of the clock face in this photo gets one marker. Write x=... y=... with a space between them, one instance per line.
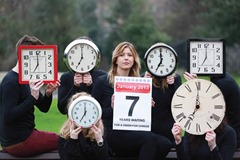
x=198 y=106
x=81 y=56
x=85 y=111
x=161 y=60
x=206 y=56
x=37 y=62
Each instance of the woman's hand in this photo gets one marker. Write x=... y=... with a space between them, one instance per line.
x=73 y=130
x=87 y=79
x=147 y=75
x=98 y=133
x=211 y=139
x=51 y=87
x=170 y=79
x=177 y=133
x=112 y=101
x=77 y=79
x=189 y=76
x=35 y=86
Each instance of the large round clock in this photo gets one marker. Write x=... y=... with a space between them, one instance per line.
x=81 y=55
x=85 y=111
x=198 y=106
x=161 y=60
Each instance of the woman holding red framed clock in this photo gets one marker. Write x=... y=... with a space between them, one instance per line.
x=18 y=135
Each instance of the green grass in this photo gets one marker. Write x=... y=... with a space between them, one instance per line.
x=50 y=121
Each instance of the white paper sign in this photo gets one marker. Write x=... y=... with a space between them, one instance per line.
x=132 y=103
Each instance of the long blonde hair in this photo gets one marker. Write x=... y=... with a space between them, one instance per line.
x=87 y=133
x=134 y=71
x=160 y=82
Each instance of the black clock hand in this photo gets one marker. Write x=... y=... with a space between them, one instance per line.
x=37 y=64
x=191 y=116
x=160 y=62
x=205 y=56
x=81 y=58
x=84 y=114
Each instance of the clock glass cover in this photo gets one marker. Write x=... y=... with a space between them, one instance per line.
x=161 y=60
x=81 y=56
x=85 y=111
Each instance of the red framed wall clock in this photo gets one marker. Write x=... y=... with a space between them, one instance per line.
x=37 y=62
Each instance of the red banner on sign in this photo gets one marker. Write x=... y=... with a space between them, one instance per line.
x=132 y=87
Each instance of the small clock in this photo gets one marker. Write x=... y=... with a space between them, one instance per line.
x=161 y=60
x=81 y=56
x=206 y=56
x=37 y=62
x=198 y=106
x=85 y=111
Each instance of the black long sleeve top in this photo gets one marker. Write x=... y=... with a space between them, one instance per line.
x=17 y=110
x=67 y=88
x=162 y=120
x=225 y=140
x=82 y=149
x=231 y=92
x=103 y=92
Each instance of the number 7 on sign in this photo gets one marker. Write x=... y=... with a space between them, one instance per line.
x=135 y=99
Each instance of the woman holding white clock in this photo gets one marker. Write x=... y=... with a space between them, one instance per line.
x=80 y=79
x=147 y=145
x=76 y=143
x=219 y=144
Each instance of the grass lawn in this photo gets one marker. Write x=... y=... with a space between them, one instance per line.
x=50 y=121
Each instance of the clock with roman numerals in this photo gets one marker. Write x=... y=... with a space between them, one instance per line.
x=198 y=106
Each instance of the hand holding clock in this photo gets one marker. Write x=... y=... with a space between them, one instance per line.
x=51 y=87
x=35 y=86
x=74 y=131
x=177 y=133
x=82 y=78
x=210 y=136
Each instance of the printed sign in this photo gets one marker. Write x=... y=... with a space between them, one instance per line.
x=132 y=103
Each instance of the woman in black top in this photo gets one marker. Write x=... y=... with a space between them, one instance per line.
x=162 y=93
x=76 y=143
x=72 y=83
x=219 y=144
x=150 y=146
x=231 y=92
